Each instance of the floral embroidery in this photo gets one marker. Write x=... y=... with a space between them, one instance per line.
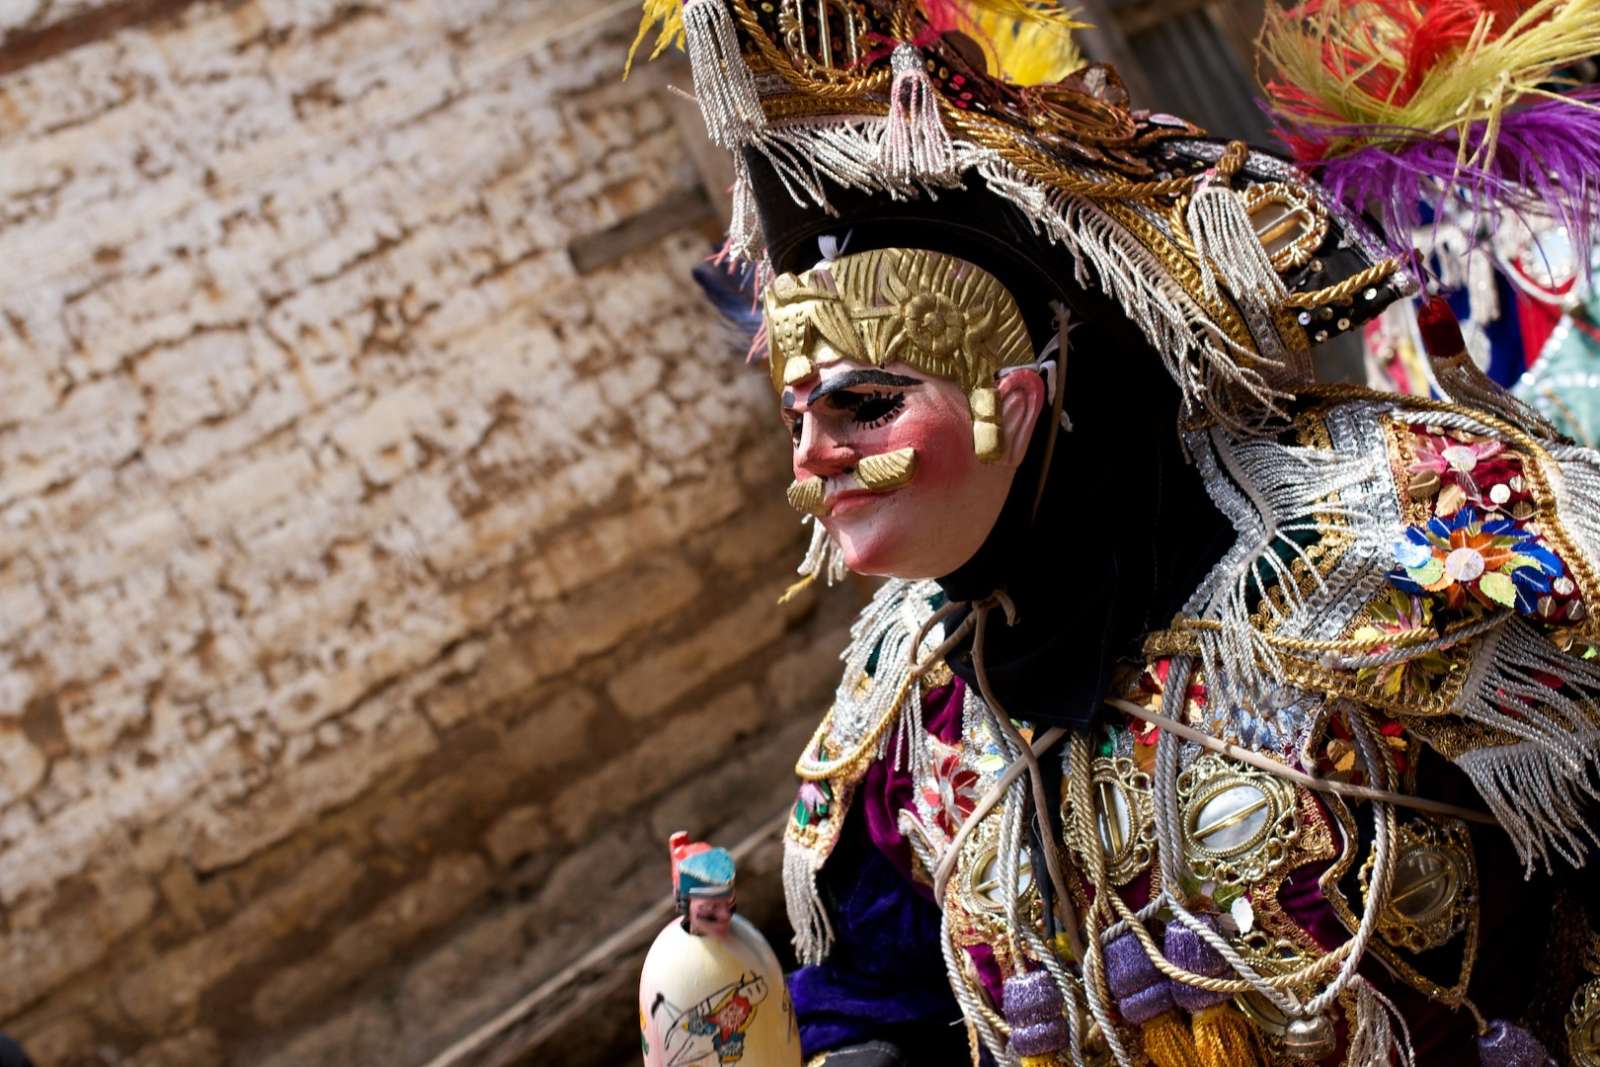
x=954 y=791
x=1459 y=471
x=814 y=803
x=1498 y=563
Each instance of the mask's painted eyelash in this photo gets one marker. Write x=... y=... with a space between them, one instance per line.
x=876 y=409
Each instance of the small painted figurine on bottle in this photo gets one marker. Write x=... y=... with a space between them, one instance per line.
x=712 y=990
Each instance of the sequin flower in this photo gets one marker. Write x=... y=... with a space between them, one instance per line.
x=813 y=804
x=1466 y=560
x=954 y=792
x=1401 y=613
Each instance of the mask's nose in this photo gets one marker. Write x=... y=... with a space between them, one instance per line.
x=819 y=452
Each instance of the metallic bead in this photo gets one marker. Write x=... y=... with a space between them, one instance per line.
x=1310 y=1039
x=1344 y=324
x=1304 y=318
x=1320 y=336
x=1371 y=294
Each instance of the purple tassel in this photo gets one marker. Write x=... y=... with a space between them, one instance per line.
x=1508 y=1045
x=1128 y=969
x=1185 y=948
x=1035 y=1013
x=1149 y=1002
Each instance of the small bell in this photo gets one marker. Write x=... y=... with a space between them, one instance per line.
x=1310 y=1039
x=1508 y=1045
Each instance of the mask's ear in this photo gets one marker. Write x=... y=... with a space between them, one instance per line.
x=1022 y=401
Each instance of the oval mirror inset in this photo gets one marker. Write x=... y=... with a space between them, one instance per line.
x=1232 y=820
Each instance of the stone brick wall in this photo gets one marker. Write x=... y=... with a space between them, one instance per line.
x=376 y=590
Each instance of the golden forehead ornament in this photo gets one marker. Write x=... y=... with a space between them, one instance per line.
x=934 y=313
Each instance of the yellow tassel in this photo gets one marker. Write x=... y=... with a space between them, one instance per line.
x=1224 y=1038
x=1040 y=1061
x=669 y=14
x=1167 y=1041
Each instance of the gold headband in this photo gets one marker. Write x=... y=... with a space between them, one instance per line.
x=938 y=314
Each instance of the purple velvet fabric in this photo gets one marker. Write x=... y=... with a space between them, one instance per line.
x=886 y=790
x=885 y=978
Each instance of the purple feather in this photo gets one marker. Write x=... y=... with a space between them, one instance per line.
x=732 y=290
x=1546 y=162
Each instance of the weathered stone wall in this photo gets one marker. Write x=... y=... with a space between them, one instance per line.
x=376 y=590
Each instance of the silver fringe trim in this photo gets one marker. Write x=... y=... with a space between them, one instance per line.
x=1539 y=801
x=723 y=82
x=1274 y=495
x=880 y=635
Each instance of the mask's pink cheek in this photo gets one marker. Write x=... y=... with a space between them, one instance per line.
x=943 y=440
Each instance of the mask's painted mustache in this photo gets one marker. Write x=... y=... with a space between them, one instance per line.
x=876 y=474
x=887 y=470
x=806 y=496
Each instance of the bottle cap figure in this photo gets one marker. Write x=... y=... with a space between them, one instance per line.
x=712 y=990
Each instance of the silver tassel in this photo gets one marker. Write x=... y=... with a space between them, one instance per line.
x=1227 y=247
x=723 y=83
x=915 y=143
x=813 y=933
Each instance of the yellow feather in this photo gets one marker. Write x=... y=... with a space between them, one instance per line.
x=669 y=15
x=1475 y=84
x=1026 y=52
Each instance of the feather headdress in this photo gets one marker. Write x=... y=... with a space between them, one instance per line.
x=1028 y=41
x=1393 y=102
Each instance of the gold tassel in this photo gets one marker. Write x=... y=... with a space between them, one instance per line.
x=1040 y=1061
x=1167 y=1041
x=1224 y=1038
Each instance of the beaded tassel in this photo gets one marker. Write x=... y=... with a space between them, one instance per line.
x=915 y=142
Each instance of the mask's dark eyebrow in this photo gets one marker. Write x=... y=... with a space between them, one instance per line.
x=851 y=379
